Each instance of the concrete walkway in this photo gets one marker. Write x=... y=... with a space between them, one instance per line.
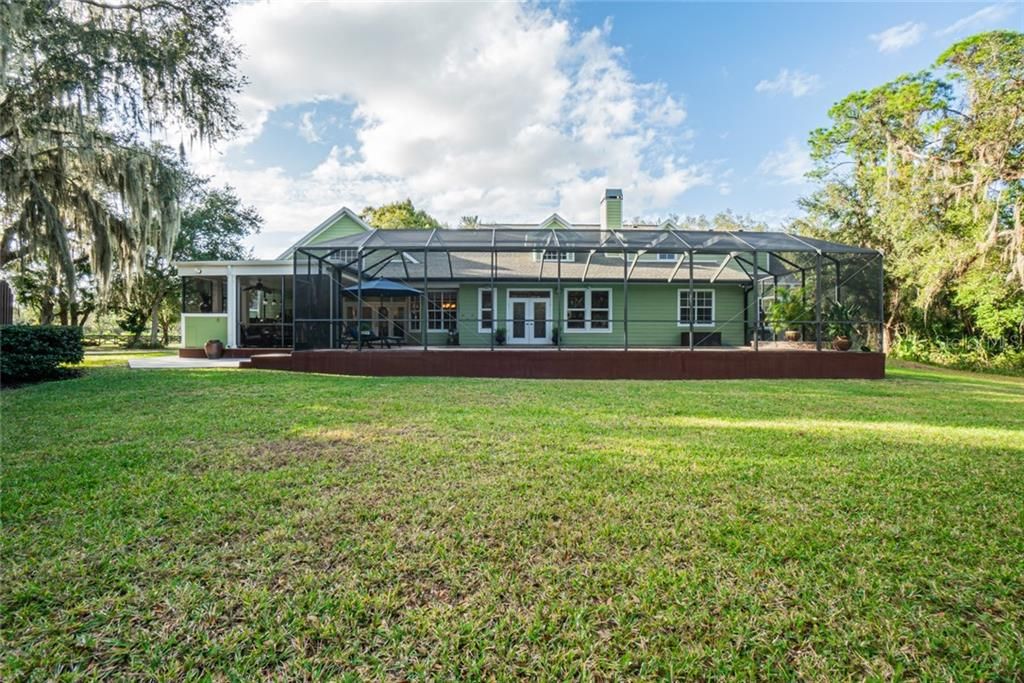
x=173 y=362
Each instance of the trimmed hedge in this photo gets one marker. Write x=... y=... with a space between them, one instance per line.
x=29 y=353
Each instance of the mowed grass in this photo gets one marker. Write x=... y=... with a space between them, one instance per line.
x=240 y=524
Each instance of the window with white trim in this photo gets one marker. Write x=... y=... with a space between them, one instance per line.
x=442 y=310
x=662 y=256
x=485 y=309
x=414 y=314
x=588 y=310
x=344 y=256
x=553 y=255
x=703 y=308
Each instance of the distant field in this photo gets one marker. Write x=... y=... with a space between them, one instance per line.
x=245 y=524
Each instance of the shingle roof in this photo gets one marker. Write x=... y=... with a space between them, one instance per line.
x=468 y=266
x=577 y=239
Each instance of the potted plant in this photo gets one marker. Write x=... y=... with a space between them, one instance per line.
x=840 y=319
x=499 y=335
x=453 y=337
x=214 y=348
x=787 y=312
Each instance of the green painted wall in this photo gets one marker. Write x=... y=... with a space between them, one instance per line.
x=342 y=227
x=613 y=212
x=200 y=329
x=652 y=315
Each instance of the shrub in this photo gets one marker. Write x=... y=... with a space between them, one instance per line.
x=968 y=353
x=788 y=310
x=29 y=353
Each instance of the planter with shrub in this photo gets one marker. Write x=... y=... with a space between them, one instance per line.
x=787 y=313
x=839 y=325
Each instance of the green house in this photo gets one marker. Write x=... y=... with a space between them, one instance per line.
x=605 y=284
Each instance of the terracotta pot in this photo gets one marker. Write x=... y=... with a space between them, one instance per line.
x=214 y=348
x=841 y=343
x=792 y=335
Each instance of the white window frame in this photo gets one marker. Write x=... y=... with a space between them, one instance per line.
x=414 y=323
x=679 y=300
x=480 y=310
x=664 y=256
x=586 y=329
x=551 y=256
x=441 y=292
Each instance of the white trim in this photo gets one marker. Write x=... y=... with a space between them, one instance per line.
x=480 y=310
x=508 y=312
x=564 y=256
x=334 y=217
x=203 y=315
x=554 y=218
x=424 y=315
x=232 y=340
x=220 y=268
x=679 y=294
x=587 y=308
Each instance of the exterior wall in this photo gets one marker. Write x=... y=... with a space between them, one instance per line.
x=232 y=270
x=611 y=214
x=583 y=363
x=342 y=227
x=198 y=328
x=653 y=312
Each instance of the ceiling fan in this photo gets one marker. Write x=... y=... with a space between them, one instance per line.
x=258 y=287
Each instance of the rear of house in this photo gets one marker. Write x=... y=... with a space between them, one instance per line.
x=553 y=283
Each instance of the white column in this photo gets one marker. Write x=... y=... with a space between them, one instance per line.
x=232 y=308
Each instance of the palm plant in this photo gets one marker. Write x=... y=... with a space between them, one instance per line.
x=839 y=324
x=788 y=310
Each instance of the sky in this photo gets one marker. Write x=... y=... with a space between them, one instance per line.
x=512 y=112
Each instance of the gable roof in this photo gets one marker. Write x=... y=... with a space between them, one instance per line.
x=554 y=219
x=332 y=220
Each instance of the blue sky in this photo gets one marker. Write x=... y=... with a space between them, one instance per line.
x=511 y=112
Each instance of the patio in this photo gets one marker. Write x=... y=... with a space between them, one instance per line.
x=388 y=283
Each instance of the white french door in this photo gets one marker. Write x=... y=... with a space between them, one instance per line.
x=528 y=317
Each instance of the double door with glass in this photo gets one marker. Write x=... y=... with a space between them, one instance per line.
x=529 y=321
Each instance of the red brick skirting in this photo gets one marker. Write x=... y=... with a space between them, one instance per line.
x=583 y=363
x=193 y=352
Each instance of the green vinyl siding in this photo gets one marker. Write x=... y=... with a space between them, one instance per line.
x=342 y=227
x=653 y=314
x=613 y=212
x=199 y=329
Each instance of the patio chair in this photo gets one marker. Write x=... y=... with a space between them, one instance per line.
x=364 y=337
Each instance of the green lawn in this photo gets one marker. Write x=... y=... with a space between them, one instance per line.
x=242 y=524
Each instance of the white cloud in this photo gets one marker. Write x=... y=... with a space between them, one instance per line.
x=986 y=15
x=307 y=129
x=788 y=165
x=497 y=110
x=895 y=38
x=796 y=83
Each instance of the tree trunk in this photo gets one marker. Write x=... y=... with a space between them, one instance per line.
x=46 y=311
x=890 y=323
x=154 y=320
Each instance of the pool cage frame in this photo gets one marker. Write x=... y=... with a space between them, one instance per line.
x=349 y=261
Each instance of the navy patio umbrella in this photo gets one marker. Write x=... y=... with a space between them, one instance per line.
x=382 y=288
